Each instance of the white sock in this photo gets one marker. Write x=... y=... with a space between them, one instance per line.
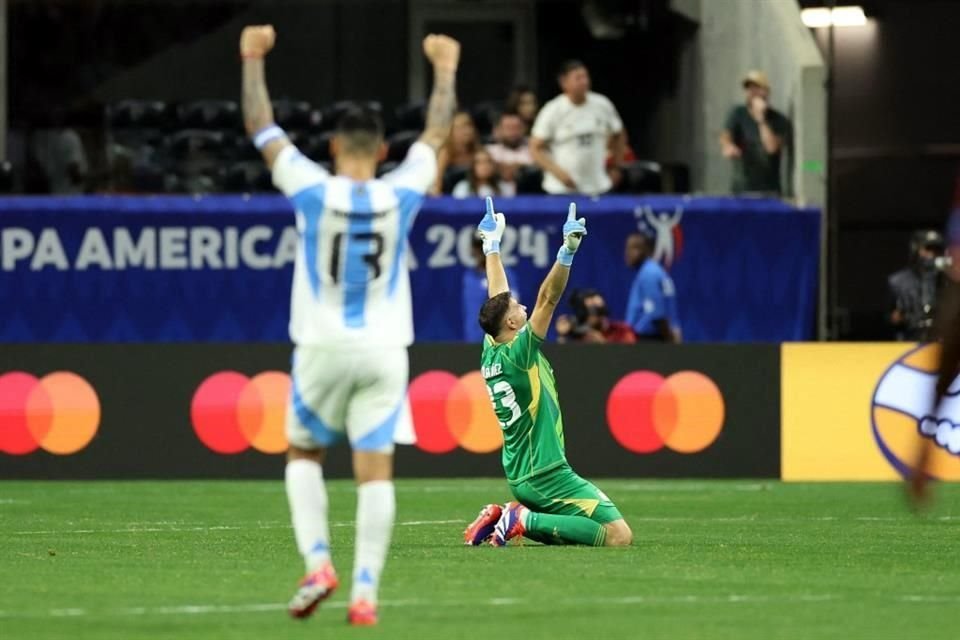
x=307 y=495
x=524 y=515
x=376 y=508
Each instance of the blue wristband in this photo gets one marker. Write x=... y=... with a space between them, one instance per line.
x=267 y=135
x=565 y=256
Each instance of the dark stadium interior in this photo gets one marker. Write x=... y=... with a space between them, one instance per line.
x=892 y=168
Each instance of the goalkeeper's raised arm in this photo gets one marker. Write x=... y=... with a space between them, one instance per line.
x=491 y=231
x=556 y=281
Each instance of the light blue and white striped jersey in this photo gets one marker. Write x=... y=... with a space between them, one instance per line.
x=351 y=287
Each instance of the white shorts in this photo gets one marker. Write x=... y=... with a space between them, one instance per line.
x=360 y=394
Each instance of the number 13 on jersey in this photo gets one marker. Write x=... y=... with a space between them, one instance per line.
x=363 y=252
x=504 y=399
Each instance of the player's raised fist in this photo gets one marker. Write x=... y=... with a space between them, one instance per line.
x=257 y=40
x=443 y=51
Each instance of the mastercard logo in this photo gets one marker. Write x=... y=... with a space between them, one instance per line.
x=231 y=412
x=902 y=414
x=683 y=412
x=59 y=413
x=453 y=411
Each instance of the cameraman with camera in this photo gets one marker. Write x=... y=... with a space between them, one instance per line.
x=591 y=321
x=914 y=290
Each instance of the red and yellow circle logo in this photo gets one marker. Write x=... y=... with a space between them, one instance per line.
x=450 y=411
x=683 y=412
x=231 y=412
x=59 y=413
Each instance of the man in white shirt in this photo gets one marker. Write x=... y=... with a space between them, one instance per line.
x=572 y=134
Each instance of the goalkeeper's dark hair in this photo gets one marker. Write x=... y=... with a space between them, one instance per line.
x=492 y=313
x=360 y=130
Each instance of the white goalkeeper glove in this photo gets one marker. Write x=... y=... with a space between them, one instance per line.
x=491 y=229
x=573 y=232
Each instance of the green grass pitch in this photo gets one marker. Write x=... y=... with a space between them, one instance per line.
x=711 y=559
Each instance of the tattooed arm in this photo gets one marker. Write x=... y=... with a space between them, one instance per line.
x=444 y=53
x=255 y=43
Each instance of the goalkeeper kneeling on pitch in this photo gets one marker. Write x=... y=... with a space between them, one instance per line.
x=553 y=504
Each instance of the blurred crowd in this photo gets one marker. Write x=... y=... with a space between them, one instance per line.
x=575 y=142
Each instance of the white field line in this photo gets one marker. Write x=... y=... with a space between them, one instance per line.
x=204 y=609
x=931 y=598
x=650 y=600
x=175 y=529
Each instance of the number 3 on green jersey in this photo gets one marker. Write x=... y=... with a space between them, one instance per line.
x=503 y=397
x=524 y=397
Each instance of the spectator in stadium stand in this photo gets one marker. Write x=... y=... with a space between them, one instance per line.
x=915 y=289
x=523 y=102
x=474 y=291
x=458 y=152
x=652 y=306
x=754 y=137
x=61 y=156
x=572 y=134
x=510 y=148
x=591 y=321
x=483 y=179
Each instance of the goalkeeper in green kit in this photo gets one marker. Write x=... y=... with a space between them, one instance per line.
x=553 y=504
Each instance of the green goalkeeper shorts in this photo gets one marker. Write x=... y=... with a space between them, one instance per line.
x=562 y=492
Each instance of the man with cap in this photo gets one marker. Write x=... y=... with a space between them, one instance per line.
x=754 y=137
x=914 y=289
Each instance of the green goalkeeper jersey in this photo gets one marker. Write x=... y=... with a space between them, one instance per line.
x=524 y=395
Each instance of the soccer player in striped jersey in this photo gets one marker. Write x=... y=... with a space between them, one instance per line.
x=351 y=319
x=553 y=504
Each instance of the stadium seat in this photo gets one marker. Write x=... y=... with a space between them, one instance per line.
x=184 y=142
x=149 y=177
x=210 y=114
x=141 y=114
x=199 y=183
x=317 y=147
x=399 y=143
x=247 y=177
x=239 y=148
x=296 y=114
x=332 y=113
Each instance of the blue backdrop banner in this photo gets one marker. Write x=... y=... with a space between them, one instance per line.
x=218 y=268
